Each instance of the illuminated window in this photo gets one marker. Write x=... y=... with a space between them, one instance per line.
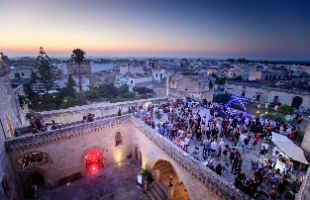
x=118 y=139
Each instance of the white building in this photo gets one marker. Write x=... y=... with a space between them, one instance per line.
x=101 y=67
x=22 y=72
x=159 y=74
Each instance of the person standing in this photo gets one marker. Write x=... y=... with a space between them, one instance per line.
x=213 y=148
x=186 y=143
x=221 y=146
x=206 y=147
x=235 y=164
x=246 y=144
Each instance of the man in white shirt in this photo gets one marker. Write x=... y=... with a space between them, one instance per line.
x=275 y=157
x=241 y=139
x=186 y=143
x=213 y=148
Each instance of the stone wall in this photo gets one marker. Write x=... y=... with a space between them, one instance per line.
x=76 y=113
x=8 y=122
x=67 y=148
x=22 y=111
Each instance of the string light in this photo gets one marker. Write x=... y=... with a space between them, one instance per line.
x=239 y=99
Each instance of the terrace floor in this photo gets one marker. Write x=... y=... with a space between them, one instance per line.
x=253 y=155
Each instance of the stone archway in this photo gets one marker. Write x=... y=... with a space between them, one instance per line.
x=38 y=179
x=93 y=161
x=34 y=175
x=296 y=102
x=83 y=169
x=165 y=174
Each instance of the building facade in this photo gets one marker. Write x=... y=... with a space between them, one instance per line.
x=198 y=87
x=261 y=92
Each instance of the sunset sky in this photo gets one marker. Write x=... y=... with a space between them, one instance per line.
x=254 y=29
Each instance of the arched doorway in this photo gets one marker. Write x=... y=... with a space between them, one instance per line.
x=93 y=161
x=165 y=174
x=296 y=102
x=8 y=123
x=38 y=179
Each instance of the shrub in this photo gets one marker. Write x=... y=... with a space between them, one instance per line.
x=276 y=117
x=223 y=98
x=23 y=100
x=286 y=109
x=28 y=116
x=142 y=90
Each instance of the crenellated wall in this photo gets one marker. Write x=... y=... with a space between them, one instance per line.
x=67 y=148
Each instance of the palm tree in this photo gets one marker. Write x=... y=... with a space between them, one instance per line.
x=78 y=56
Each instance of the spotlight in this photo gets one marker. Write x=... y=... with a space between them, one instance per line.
x=94 y=168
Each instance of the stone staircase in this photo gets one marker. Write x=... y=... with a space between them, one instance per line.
x=159 y=190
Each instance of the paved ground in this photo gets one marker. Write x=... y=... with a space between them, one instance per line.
x=253 y=155
x=114 y=182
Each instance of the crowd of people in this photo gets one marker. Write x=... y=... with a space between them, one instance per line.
x=41 y=125
x=242 y=134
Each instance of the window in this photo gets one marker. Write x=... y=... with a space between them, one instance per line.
x=74 y=71
x=156 y=75
x=244 y=87
x=258 y=97
x=118 y=139
x=5 y=185
x=23 y=74
x=243 y=94
x=85 y=71
x=276 y=99
x=131 y=81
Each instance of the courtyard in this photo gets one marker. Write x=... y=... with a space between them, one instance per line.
x=117 y=181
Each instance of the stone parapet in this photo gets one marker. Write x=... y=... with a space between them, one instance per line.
x=105 y=105
x=192 y=165
x=76 y=113
x=66 y=133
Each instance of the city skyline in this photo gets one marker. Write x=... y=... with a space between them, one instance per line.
x=264 y=30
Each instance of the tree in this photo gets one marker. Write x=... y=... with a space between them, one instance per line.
x=223 y=98
x=92 y=94
x=286 y=108
x=123 y=89
x=142 y=90
x=70 y=87
x=78 y=56
x=210 y=85
x=46 y=73
x=69 y=102
x=275 y=117
x=108 y=90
